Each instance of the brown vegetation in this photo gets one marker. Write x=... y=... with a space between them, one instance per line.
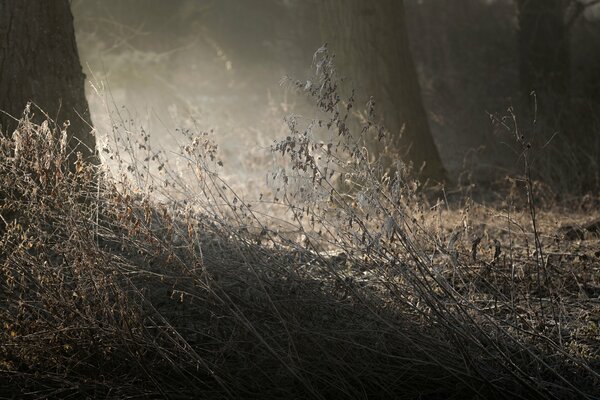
x=360 y=286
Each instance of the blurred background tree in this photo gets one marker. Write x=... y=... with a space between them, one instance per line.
x=476 y=57
x=371 y=45
x=221 y=62
x=544 y=59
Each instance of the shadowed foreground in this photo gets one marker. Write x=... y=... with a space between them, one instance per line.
x=110 y=293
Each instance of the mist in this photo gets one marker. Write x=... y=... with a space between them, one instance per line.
x=201 y=65
x=217 y=66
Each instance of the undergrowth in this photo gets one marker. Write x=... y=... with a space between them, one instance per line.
x=343 y=281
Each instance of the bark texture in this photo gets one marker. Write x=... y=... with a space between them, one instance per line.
x=370 y=41
x=544 y=59
x=39 y=62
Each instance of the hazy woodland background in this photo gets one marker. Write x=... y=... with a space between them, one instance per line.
x=205 y=65
x=218 y=65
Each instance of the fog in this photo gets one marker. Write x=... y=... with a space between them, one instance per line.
x=217 y=66
x=200 y=65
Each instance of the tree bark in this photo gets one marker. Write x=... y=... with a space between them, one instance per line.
x=544 y=60
x=370 y=41
x=39 y=63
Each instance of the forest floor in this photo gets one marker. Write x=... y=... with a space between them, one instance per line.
x=371 y=292
x=132 y=314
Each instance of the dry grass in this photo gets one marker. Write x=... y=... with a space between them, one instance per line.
x=346 y=281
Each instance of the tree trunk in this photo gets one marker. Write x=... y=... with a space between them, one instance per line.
x=371 y=45
x=544 y=59
x=39 y=63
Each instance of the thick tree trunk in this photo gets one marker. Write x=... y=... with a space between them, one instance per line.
x=371 y=45
x=39 y=63
x=544 y=58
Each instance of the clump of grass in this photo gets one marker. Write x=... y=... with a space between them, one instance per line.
x=157 y=281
